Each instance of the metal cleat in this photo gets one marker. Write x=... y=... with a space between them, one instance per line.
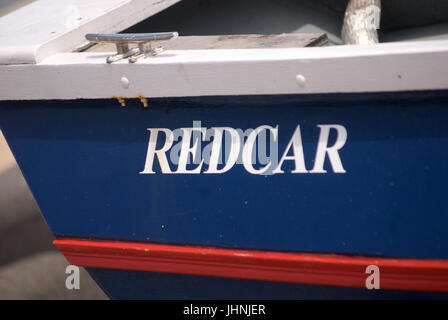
x=122 y=41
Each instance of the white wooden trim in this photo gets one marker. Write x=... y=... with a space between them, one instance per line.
x=46 y=27
x=369 y=68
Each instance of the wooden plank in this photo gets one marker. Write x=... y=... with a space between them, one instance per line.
x=237 y=41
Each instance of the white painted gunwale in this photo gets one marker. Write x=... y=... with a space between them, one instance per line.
x=388 y=67
x=46 y=27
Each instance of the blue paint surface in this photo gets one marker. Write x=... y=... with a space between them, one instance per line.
x=125 y=284
x=82 y=161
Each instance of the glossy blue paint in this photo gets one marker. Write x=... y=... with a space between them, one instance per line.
x=82 y=160
x=125 y=284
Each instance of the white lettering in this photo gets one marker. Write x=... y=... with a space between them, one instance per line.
x=186 y=150
x=298 y=156
x=249 y=146
x=161 y=156
x=229 y=146
x=217 y=146
x=323 y=149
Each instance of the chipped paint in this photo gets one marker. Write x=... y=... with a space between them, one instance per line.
x=143 y=100
x=121 y=100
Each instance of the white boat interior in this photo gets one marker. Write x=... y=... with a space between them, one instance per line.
x=276 y=47
x=400 y=19
x=60 y=26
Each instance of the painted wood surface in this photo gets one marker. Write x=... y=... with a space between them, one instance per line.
x=86 y=162
x=307 y=268
x=45 y=27
x=173 y=73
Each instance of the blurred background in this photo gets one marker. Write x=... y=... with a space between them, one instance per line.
x=30 y=266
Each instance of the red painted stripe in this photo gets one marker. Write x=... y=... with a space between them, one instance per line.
x=321 y=269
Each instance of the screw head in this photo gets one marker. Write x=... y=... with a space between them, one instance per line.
x=125 y=82
x=301 y=80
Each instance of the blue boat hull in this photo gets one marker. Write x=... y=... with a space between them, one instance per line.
x=83 y=160
x=126 y=284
